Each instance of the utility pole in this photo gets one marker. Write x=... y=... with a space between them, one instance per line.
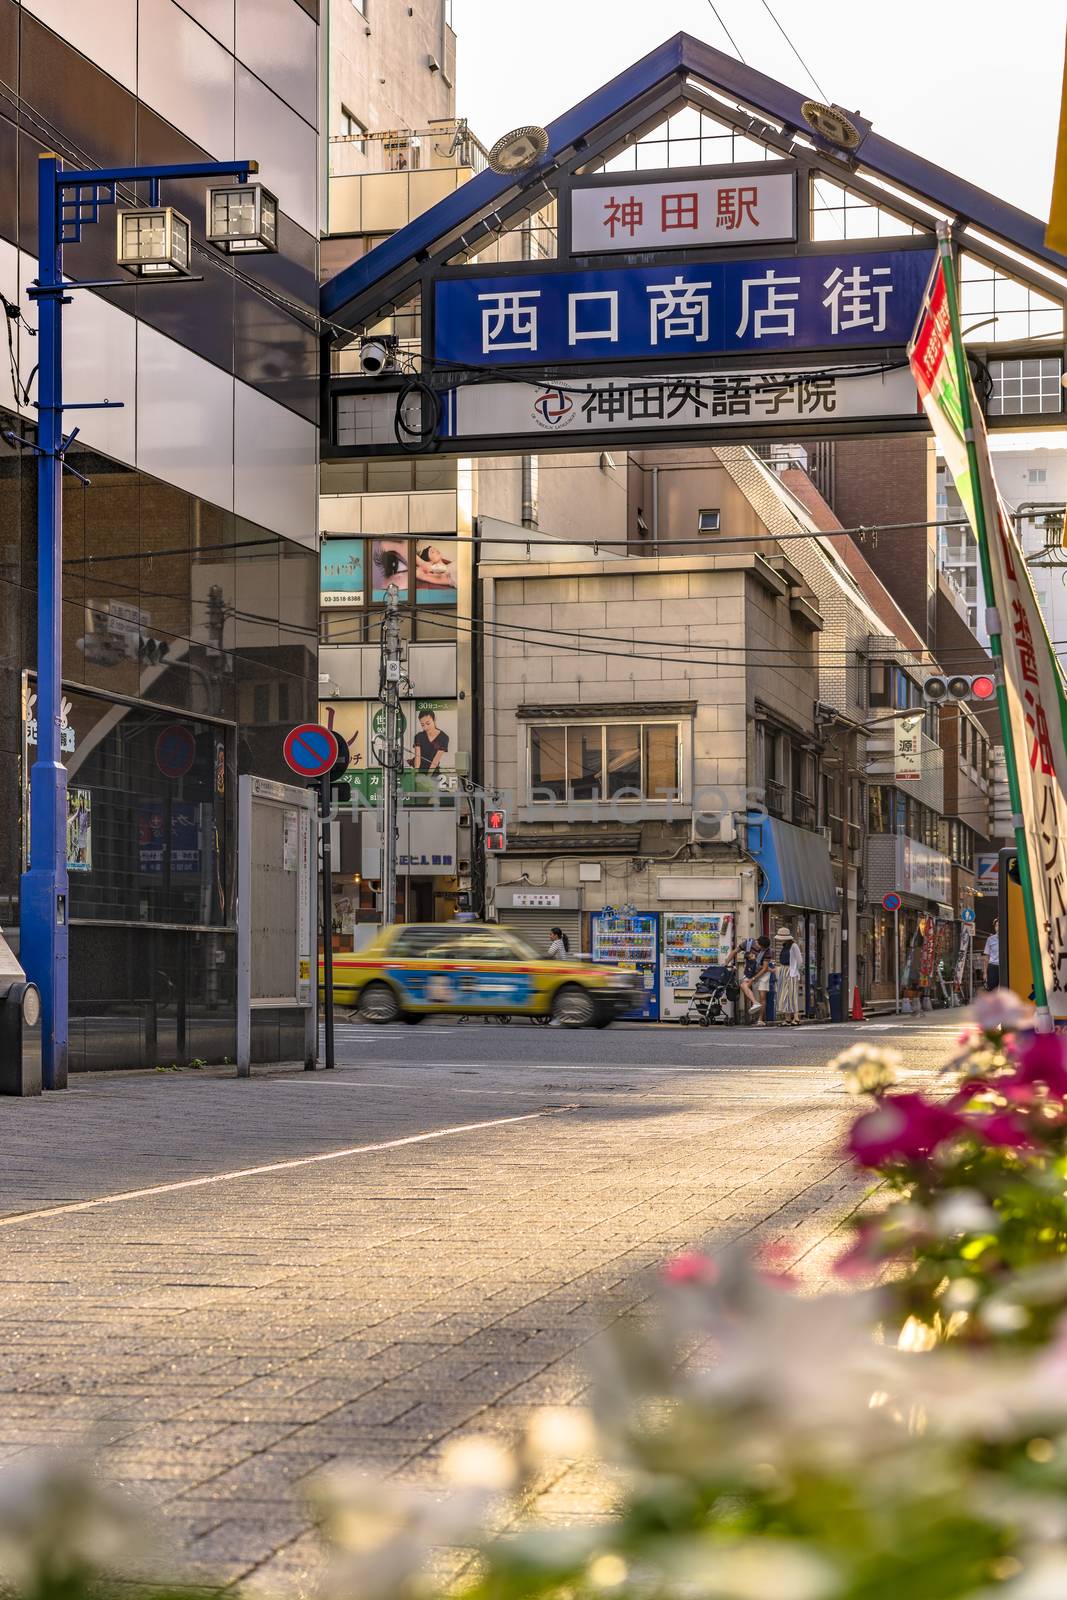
x=392 y=761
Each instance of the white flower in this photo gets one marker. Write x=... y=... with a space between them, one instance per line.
x=868 y=1069
x=963 y=1211
x=479 y=1462
x=1002 y=1009
x=559 y=1433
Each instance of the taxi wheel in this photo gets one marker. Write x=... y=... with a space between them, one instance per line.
x=574 y=1007
x=378 y=1003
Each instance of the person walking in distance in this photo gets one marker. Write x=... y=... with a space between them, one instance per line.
x=790 y=963
x=560 y=945
x=991 y=954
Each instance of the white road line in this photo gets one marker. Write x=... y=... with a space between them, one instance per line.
x=256 y=1172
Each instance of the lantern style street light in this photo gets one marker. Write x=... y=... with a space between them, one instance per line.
x=241 y=218
x=154 y=244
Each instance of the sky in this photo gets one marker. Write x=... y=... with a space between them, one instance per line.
x=973 y=85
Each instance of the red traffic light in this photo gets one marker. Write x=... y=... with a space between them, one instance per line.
x=983 y=687
x=496 y=821
x=496 y=841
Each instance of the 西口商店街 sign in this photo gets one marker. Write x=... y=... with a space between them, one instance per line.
x=677 y=213
x=842 y=300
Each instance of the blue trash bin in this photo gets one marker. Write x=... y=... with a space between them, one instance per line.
x=835 y=996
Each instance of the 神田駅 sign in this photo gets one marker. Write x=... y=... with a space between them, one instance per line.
x=678 y=213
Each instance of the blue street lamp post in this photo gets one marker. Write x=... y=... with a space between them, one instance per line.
x=66 y=200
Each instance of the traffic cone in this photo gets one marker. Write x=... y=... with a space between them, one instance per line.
x=857 y=1005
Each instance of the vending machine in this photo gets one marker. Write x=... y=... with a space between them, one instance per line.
x=690 y=940
x=625 y=937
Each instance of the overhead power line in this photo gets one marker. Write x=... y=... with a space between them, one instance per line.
x=729 y=35
x=796 y=52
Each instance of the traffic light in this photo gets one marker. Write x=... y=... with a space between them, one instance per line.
x=496 y=832
x=982 y=686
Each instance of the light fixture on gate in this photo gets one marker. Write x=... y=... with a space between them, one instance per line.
x=242 y=217
x=154 y=242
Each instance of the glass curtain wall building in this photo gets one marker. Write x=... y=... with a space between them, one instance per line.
x=190 y=614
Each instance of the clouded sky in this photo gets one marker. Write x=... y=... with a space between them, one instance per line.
x=971 y=84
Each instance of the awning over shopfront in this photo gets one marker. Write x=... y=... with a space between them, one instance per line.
x=796 y=865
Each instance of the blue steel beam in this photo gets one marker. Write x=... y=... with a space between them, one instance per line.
x=680 y=57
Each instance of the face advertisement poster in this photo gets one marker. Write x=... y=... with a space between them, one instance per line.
x=432 y=736
x=435 y=571
x=341 y=578
x=390 y=565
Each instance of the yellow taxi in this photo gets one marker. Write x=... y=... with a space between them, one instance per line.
x=416 y=969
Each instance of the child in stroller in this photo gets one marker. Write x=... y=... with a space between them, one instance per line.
x=713 y=998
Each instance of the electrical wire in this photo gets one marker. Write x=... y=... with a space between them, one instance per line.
x=729 y=35
x=796 y=52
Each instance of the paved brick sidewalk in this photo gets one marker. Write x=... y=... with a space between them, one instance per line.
x=225 y=1339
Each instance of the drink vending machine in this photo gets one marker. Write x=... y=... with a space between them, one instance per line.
x=626 y=937
x=690 y=940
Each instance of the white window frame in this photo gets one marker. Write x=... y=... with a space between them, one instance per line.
x=631 y=803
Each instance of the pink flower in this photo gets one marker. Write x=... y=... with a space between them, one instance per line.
x=860 y=1259
x=905 y=1127
x=1042 y=1058
x=1001 y=1009
x=691 y=1268
x=1003 y=1129
x=773 y=1261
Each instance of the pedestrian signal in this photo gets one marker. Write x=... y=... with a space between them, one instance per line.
x=941 y=690
x=496 y=831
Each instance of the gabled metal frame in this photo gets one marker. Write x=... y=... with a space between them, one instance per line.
x=684 y=72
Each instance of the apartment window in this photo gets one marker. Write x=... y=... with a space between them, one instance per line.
x=625 y=761
x=351 y=127
x=708 y=521
x=1036 y=475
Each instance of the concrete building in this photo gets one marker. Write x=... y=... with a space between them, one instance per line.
x=190 y=557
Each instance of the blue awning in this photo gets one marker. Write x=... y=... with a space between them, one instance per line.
x=796 y=865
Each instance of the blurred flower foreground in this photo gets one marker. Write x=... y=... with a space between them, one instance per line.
x=902 y=1438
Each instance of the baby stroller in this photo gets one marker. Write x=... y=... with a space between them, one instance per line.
x=713 y=998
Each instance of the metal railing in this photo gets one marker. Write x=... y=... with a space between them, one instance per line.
x=445 y=142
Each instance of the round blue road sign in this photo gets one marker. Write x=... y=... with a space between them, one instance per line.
x=967 y=915
x=310 y=749
x=891 y=902
x=175 y=751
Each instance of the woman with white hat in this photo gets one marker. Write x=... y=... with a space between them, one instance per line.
x=790 y=966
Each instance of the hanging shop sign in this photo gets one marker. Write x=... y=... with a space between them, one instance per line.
x=608 y=405
x=829 y=302
x=907 y=749
x=681 y=212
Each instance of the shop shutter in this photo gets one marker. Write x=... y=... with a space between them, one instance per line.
x=534 y=926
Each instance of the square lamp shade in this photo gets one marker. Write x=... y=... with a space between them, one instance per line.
x=154 y=242
x=242 y=217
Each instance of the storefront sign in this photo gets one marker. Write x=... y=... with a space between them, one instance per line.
x=341 y=572
x=535 y=902
x=907 y=749
x=923 y=871
x=681 y=212
x=987 y=873
x=817 y=302
x=606 y=405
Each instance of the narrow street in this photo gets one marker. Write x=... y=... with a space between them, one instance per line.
x=228 y=1284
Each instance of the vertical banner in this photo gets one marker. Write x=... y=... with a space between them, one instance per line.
x=907 y=749
x=1031 y=696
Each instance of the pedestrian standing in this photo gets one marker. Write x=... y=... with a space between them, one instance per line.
x=790 y=964
x=991 y=953
x=758 y=986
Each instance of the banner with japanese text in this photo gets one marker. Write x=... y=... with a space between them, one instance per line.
x=1037 y=701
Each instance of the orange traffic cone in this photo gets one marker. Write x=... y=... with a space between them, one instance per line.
x=857 y=1005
